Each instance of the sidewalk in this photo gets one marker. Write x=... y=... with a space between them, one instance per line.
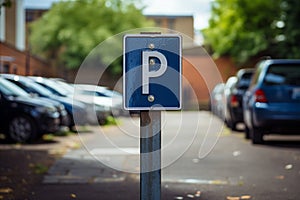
x=78 y=175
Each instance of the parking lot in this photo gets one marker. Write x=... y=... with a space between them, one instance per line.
x=226 y=167
x=32 y=106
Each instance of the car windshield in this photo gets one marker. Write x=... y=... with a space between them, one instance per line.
x=37 y=88
x=11 y=89
x=93 y=93
x=56 y=87
x=68 y=87
x=283 y=75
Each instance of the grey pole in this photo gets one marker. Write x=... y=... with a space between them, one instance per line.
x=150 y=155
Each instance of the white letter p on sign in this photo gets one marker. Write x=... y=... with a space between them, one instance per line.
x=146 y=73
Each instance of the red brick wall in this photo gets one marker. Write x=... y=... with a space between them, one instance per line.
x=201 y=74
x=18 y=65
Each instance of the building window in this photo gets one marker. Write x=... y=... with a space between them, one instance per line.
x=15 y=69
x=5 y=68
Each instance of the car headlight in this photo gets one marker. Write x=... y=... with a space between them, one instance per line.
x=46 y=109
x=61 y=107
x=102 y=108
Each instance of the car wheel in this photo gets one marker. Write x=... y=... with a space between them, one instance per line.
x=256 y=135
x=247 y=132
x=231 y=125
x=102 y=121
x=22 y=129
x=71 y=124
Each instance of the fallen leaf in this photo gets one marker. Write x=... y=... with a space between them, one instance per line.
x=73 y=196
x=233 y=198
x=17 y=146
x=289 y=166
x=6 y=190
x=3 y=178
x=236 y=153
x=246 y=197
x=279 y=177
x=198 y=194
x=24 y=181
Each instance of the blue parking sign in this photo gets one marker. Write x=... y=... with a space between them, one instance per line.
x=152 y=70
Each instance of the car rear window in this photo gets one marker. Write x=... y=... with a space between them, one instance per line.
x=283 y=75
x=245 y=80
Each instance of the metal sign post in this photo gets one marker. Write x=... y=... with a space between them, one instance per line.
x=150 y=160
x=151 y=83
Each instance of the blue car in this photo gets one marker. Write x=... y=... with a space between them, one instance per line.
x=271 y=105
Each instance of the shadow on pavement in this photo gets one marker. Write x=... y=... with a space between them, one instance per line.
x=21 y=170
x=283 y=143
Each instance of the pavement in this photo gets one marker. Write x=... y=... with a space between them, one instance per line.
x=85 y=166
x=79 y=174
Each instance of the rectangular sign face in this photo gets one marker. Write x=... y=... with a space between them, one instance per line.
x=152 y=72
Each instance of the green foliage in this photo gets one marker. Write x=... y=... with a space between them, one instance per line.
x=5 y=3
x=243 y=29
x=71 y=29
x=289 y=37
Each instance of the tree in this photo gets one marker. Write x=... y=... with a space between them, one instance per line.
x=4 y=3
x=71 y=29
x=243 y=29
x=289 y=37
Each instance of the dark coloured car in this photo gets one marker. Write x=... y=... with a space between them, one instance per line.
x=79 y=112
x=36 y=90
x=234 y=101
x=72 y=107
x=228 y=87
x=272 y=102
x=23 y=118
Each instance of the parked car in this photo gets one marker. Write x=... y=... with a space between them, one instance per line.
x=73 y=108
x=228 y=87
x=102 y=96
x=23 y=118
x=217 y=101
x=36 y=90
x=100 y=109
x=234 y=94
x=272 y=102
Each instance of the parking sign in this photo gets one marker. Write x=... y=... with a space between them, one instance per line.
x=152 y=72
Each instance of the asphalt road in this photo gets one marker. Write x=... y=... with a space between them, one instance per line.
x=201 y=159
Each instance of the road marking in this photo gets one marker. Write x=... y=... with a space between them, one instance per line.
x=197 y=181
x=115 y=151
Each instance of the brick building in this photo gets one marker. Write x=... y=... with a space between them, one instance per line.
x=14 y=54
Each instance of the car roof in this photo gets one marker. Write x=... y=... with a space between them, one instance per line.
x=244 y=71
x=281 y=61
